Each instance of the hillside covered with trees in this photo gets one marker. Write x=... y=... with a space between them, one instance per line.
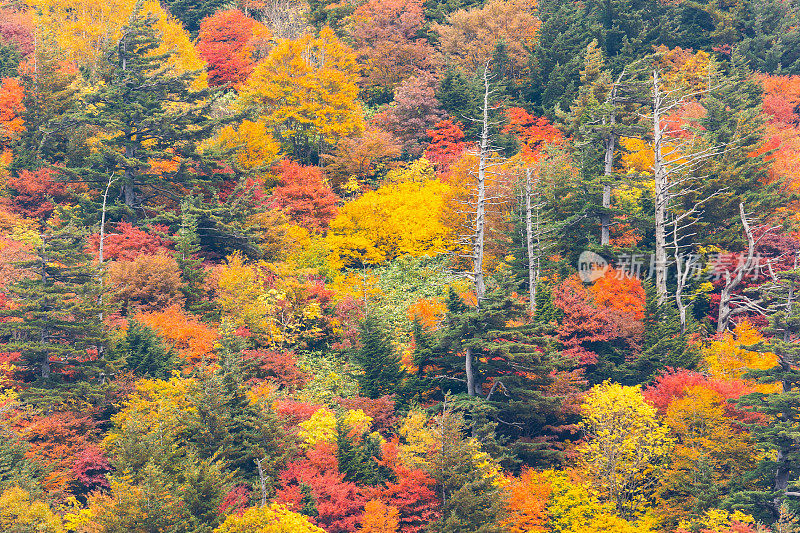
x=399 y=266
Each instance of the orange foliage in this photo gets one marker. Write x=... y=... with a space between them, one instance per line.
x=527 y=503
x=380 y=518
x=621 y=293
x=781 y=98
x=192 y=339
x=429 y=312
x=11 y=108
x=148 y=283
x=533 y=132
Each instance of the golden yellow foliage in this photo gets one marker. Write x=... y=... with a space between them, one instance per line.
x=625 y=445
x=727 y=358
x=306 y=87
x=321 y=427
x=273 y=518
x=250 y=144
x=417 y=439
x=404 y=218
x=85 y=29
x=157 y=407
x=19 y=512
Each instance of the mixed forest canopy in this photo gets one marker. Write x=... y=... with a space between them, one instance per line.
x=399 y=266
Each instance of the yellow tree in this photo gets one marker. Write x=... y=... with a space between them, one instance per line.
x=625 y=445
x=85 y=29
x=400 y=218
x=20 y=512
x=273 y=518
x=305 y=92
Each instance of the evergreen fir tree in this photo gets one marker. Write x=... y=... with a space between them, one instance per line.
x=358 y=461
x=779 y=437
x=383 y=374
x=55 y=324
x=144 y=352
x=664 y=345
x=513 y=366
x=148 y=122
x=228 y=427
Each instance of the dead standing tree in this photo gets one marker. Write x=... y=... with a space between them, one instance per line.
x=731 y=303
x=482 y=199
x=675 y=161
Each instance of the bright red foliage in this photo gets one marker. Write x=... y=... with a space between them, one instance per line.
x=235 y=501
x=129 y=242
x=56 y=441
x=304 y=196
x=279 y=368
x=33 y=193
x=89 y=470
x=340 y=503
x=447 y=144
x=533 y=132
x=380 y=409
x=673 y=384
x=583 y=323
x=412 y=494
x=224 y=42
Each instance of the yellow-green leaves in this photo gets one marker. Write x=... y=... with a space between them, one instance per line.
x=625 y=445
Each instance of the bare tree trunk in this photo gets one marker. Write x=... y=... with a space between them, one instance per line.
x=480 y=213
x=480 y=228
x=662 y=192
x=726 y=311
x=263 y=482
x=533 y=257
x=610 y=144
x=682 y=274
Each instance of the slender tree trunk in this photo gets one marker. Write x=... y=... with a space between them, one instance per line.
x=681 y=274
x=610 y=143
x=533 y=255
x=480 y=213
x=480 y=229
x=726 y=312
x=661 y=195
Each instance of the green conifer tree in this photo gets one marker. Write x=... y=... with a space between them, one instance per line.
x=55 y=324
x=382 y=374
x=664 y=345
x=144 y=352
x=147 y=122
x=778 y=438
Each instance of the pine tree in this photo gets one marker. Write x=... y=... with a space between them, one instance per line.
x=144 y=352
x=379 y=361
x=56 y=324
x=147 y=122
x=664 y=345
x=358 y=461
x=514 y=361
x=228 y=427
x=779 y=437
x=733 y=120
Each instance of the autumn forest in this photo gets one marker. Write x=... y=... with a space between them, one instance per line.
x=399 y=266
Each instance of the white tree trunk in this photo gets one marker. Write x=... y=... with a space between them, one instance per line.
x=661 y=176
x=533 y=248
